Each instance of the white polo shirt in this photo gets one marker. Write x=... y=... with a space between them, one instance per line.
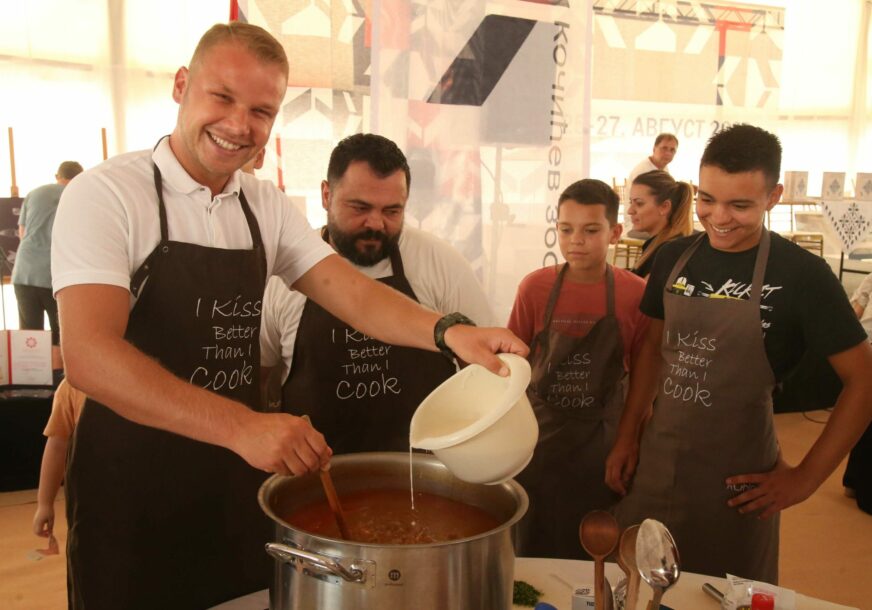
x=107 y=222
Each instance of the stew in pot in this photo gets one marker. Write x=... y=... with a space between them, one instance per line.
x=385 y=516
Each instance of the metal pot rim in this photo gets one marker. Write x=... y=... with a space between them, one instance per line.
x=511 y=487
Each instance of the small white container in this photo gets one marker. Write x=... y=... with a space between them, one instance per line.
x=583 y=597
x=479 y=424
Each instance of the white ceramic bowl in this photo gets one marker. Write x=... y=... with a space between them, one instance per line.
x=480 y=425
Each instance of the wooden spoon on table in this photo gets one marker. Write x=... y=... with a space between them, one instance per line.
x=627 y=561
x=333 y=498
x=599 y=534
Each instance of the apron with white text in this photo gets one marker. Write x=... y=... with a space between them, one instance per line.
x=360 y=393
x=577 y=394
x=712 y=419
x=157 y=520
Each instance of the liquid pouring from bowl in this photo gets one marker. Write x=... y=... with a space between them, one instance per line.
x=599 y=533
x=657 y=559
x=479 y=424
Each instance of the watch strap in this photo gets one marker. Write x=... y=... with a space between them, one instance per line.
x=442 y=325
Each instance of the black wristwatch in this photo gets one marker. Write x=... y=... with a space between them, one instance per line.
x=444 y=323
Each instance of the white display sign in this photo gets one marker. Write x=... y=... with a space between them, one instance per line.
x=833 y=186
x=795 y=186
x=25 y=357
x=863 y=188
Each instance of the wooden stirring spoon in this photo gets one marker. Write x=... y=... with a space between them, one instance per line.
x=599 y=534
x=333 y=498
x=335 y=506
x=627 y=557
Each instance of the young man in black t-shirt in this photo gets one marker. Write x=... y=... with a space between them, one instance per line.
x=803 y=305
x=708 y=462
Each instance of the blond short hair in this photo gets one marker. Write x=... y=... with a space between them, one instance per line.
x=257 y=40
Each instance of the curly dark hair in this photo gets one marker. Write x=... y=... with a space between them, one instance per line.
x=382 y=155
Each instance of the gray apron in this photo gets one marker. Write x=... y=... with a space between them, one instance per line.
x=712 y=419
x=577 y=394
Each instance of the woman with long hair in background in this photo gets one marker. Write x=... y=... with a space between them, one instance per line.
x=661 y=207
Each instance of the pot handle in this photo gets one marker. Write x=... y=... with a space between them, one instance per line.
x=289 y=554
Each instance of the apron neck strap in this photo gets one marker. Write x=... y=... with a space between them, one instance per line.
x=610 y=291
x=555 y=293
x=682 y=261
x=162 y=212
x=253 y=227
x=760 y=267
x=397 y=268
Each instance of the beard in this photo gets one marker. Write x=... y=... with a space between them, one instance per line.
x=346 y=245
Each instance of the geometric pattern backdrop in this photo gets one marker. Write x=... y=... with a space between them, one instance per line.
x=487 y=101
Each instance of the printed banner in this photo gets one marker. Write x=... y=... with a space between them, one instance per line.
x=487 y=100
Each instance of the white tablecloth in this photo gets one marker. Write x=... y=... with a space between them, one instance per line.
x=556 y=578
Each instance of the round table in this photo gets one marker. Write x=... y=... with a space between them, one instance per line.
x=557 y=578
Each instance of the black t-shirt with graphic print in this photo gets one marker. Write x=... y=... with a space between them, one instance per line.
x=803 y=304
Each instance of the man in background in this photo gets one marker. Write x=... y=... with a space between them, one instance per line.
x=665 y=147
x=358 y=391
x=31 y=275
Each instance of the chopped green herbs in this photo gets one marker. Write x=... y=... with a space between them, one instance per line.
x=525 y=594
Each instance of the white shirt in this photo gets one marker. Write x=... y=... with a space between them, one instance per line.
x=641 y=168
x=107 y=222
x=438 y=274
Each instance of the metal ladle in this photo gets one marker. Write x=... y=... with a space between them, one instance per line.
x=599 y=534
x=657 y=559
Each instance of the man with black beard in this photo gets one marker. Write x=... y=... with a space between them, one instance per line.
x=359 y=392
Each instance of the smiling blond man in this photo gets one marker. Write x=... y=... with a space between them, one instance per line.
x=160 y=259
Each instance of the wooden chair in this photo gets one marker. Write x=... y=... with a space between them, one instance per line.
x=811 y=241
x=629 y=250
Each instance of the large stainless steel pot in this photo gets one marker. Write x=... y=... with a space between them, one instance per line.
x=314 y=571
